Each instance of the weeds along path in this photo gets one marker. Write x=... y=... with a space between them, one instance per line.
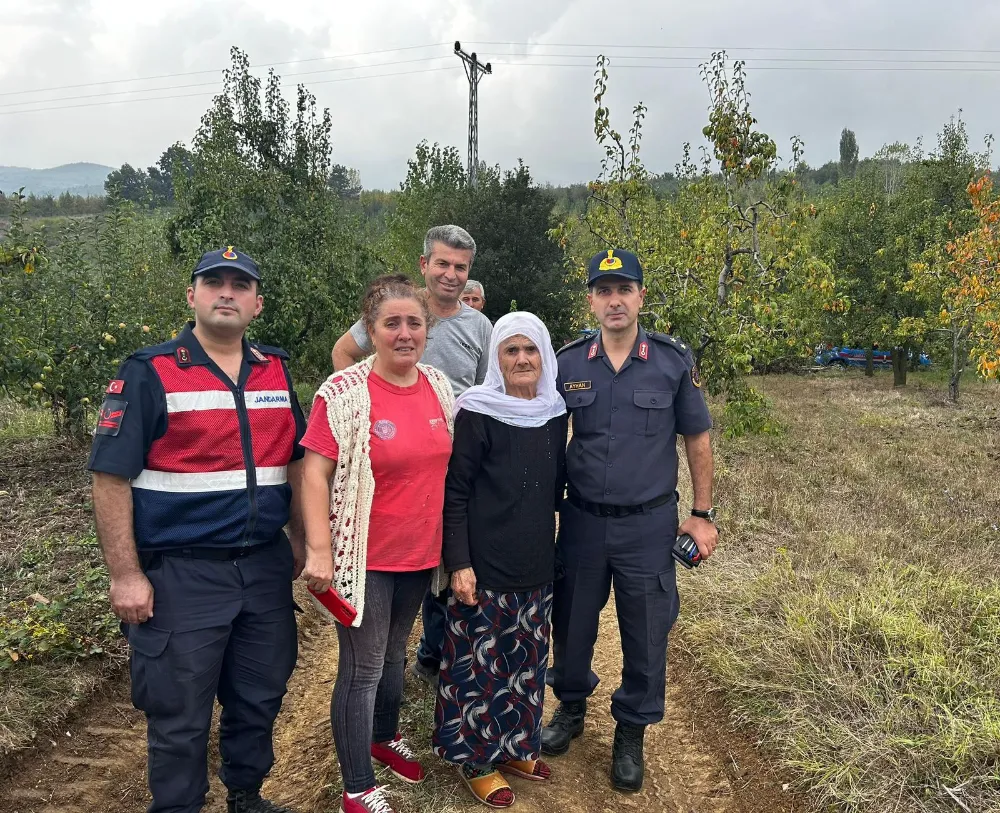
x=694 y=764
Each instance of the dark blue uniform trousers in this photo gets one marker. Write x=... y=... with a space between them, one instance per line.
x=221 y=629
x=433 y=611
x=633 y=554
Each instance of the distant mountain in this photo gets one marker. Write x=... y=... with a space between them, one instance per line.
x=77 y=179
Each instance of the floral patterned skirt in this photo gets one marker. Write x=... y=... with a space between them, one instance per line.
x=492 y=685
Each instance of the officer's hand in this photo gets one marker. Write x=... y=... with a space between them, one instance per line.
x=132 y=598
x=298 y=557
x=318 y=571
x=463 y=585
x=704 y=533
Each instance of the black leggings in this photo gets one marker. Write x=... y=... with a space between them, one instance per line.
x=369 y=687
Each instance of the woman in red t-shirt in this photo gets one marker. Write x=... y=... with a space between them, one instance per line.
x=380 y=435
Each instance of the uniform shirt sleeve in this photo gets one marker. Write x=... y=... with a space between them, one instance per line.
x=690 y=410
x=123 y=452
x=360 y=335
x=318 y=436
x=468 y=450
x=300 y=421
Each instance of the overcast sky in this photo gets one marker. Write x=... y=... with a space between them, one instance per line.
x=542 y=113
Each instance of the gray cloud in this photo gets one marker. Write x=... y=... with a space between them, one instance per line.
x=541 y=114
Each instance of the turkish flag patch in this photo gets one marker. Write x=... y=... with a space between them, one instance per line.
x=115 y=387
x=109 y=422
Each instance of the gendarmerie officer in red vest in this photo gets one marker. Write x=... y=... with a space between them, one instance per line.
x=195 y=458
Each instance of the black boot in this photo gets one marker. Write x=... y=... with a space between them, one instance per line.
x=566 y=724
x=626 y=757
x=250 y=801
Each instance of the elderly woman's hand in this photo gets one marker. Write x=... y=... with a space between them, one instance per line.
x=463 y=585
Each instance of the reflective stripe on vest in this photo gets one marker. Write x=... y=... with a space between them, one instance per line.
x=196 y=488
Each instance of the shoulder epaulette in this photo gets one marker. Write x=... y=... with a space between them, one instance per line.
x=270 y=351
x=164 y=349
x=671 y=341
x=574 y=343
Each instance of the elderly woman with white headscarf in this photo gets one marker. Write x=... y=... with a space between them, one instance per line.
x=505 y=481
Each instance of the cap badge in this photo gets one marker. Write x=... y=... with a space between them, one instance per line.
x=229 y=254
x=611 y=262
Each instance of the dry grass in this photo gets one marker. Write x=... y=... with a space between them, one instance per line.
x=853 y=616
x=47 y=548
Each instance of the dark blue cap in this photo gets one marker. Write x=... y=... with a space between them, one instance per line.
x=614 y=262
x=227 y=258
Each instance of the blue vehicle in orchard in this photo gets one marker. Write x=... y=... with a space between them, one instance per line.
x=855 y=357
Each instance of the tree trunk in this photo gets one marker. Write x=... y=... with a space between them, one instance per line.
x=956 y=370
x=870 y=361
x=899 y=364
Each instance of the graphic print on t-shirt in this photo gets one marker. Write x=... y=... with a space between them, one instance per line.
x=386 y=430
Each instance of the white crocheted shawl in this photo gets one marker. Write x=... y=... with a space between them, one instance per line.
x=348 y=409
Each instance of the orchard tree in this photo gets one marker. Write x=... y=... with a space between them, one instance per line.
x=260 y=169
x=728 y=262
x=848 y=153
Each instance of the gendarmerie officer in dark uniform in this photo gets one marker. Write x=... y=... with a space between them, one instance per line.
x=195 y=457
x=630 y=393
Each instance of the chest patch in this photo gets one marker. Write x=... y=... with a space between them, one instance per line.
x=572 y=386
x=386 y=430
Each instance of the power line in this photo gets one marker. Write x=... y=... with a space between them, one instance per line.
x=214 y=83
x=746 y=48
x=209 y=93
x=756 y=59
x=218 y=70
x=786 y=68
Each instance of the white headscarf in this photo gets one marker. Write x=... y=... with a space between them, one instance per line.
x=491 y=398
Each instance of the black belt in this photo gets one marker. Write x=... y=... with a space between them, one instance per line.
x=148 y=557
x=600 y=509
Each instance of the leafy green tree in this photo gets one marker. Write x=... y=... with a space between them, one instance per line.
x=507 y=214
x=345 y=182
x=176 y=159
x=259 y=181
x=728 y=262
x=848 y=153
x=128 y=183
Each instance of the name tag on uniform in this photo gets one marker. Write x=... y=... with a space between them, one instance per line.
x=569 y=386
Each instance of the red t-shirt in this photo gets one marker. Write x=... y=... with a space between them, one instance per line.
x=410 y=449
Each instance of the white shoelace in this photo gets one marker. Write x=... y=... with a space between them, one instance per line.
x=376 y=802
x=402 y=747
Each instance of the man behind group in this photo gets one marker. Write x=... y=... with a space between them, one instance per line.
x=457 y=345
x=474 y=295
x=195 y=458
x=630 y=393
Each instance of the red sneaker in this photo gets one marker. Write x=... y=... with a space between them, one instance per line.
x=399 y=758
x=371 y=801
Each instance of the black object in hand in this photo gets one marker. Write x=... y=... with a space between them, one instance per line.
x=686 y=551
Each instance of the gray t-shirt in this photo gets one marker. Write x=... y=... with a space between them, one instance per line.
x=457 y=346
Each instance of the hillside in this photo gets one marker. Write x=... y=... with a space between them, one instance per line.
x=78 y=179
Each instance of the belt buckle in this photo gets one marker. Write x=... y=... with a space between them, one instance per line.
x=605 y=510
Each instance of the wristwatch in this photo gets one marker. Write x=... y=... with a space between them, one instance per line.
x=709 y=514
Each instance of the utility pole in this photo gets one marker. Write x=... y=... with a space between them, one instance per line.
x=474 y=70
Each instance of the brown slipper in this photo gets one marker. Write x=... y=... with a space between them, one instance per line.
x=534 y=770
x=491 y=790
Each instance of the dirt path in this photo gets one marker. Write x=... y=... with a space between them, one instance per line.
x=693 y=763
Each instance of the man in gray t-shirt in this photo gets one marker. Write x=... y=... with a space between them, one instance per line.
x=456 y=345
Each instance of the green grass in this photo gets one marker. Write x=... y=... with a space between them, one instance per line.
x=853 y=614
x=19 y=422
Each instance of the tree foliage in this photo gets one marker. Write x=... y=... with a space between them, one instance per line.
x=727 y=261
x=260 y=173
